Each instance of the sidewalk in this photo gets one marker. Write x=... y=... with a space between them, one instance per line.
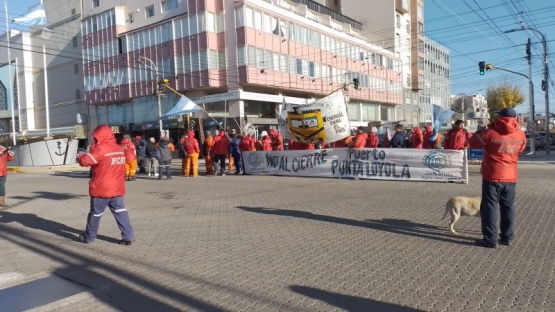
x=539 y=157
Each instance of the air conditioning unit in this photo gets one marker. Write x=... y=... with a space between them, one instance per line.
x=301 y=9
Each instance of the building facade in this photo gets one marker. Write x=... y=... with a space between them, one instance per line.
x=59 y=47
x=236 y=59
x=398 y=26
x=472 y=109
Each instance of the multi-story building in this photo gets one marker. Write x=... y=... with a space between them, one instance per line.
x=472 y=109
x=59 y=47
x=398 y=26
x=236 y=59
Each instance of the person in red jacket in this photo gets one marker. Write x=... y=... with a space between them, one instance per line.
x=457 y=138
x=5 y=156
x=107 y=185
x=426 y=135
x=502 y=142
x=247 y=144
x=266 y=142
x=277 y=140
x=360 y=138
x=220 y=149
x=372 y=141
x=416 y=138
x=191 y=147
x=130 y=158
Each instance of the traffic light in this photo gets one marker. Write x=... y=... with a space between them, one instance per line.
x=482 y=66
x=355 y=83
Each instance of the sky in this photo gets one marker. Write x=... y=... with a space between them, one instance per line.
x=473 y=30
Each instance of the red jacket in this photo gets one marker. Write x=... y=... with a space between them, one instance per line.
x=128 y=150
x=277 y=140
x=5 y=156
x=456 y=139
x=190 y=144
x=247 y=144
x=372 y=140
x=360 y=140
x=266 y=144
x=107 y=160
x=502 y=143
x=416 y=138
x=426 y=135
x=221 y=144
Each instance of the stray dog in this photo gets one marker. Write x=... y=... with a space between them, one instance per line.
x=461 y=206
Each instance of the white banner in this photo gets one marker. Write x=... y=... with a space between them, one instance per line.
x=322 y=121
x=363 y=163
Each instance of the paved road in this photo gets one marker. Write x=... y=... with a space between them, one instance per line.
x=253 y=243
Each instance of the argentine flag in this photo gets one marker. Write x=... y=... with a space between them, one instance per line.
x=440 y=115
x=37 y=17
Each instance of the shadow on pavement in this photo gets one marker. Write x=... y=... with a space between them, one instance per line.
x=50 y=195
x=396 y=226
x=79 y=174
x=105 y=279
x=349 y=303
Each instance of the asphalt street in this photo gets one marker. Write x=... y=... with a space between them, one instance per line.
x=266 y=243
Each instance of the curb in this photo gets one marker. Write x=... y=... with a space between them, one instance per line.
x=39 y=169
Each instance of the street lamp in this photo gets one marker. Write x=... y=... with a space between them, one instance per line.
x=159 y=93
x=545 y=84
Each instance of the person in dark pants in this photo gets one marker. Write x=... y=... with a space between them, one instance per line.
x=502 y=142
x=165 y=159
x=141 y=154
x=5 y=156
x=220 y=150
x=107 y=185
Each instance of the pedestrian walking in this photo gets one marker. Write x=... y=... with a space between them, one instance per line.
x=502 y=142
x=5 y=156
x=165 y=158
x=107 y=185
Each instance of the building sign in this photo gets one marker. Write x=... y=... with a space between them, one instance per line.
x=376 y=164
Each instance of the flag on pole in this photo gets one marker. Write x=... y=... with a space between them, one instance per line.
x=440 y=115
x=36 y=17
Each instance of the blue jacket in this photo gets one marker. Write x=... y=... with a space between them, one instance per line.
x=398 y=140
x=234 y=147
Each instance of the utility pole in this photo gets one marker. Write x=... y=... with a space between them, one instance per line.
x=531 y=119
x=545 y=85
x=159 y=88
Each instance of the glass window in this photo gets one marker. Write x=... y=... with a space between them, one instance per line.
x=311 y=69
x=221 y=60
x=193 y=27
x=251 y=56
x=149 y=11
x=267 y=23
x=212 y=59
x=353 y=110
x=169 y=5
x=240 y=56
x=96 y=3
x=268 y=59
x=299 y=67
x=275 y=61
x=220 y=24
x=259 y=57
x=248 y=17
x=239 y=17
x=210 y=22
x=257 y=20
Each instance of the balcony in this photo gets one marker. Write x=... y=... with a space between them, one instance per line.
x=402 y=6
x=315 y=6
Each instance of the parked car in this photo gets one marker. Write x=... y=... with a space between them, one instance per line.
x=540 y=141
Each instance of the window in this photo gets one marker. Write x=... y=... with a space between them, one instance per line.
x=419 y=12
x=398 y=21
x=76 y=68
x=73 y=11
x=420 y=29
x=299 y=66
x=77 y=94
x=149 y=11
x=311 y=69
x=96 y=3
x=130 y=18
x=169 y=5
x=75 y=42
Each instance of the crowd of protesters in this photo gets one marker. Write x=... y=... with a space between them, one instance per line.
x=223 y=151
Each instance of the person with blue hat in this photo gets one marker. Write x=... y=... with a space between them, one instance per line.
x=502 y=143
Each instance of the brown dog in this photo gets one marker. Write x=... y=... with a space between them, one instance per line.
x=461 y=206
